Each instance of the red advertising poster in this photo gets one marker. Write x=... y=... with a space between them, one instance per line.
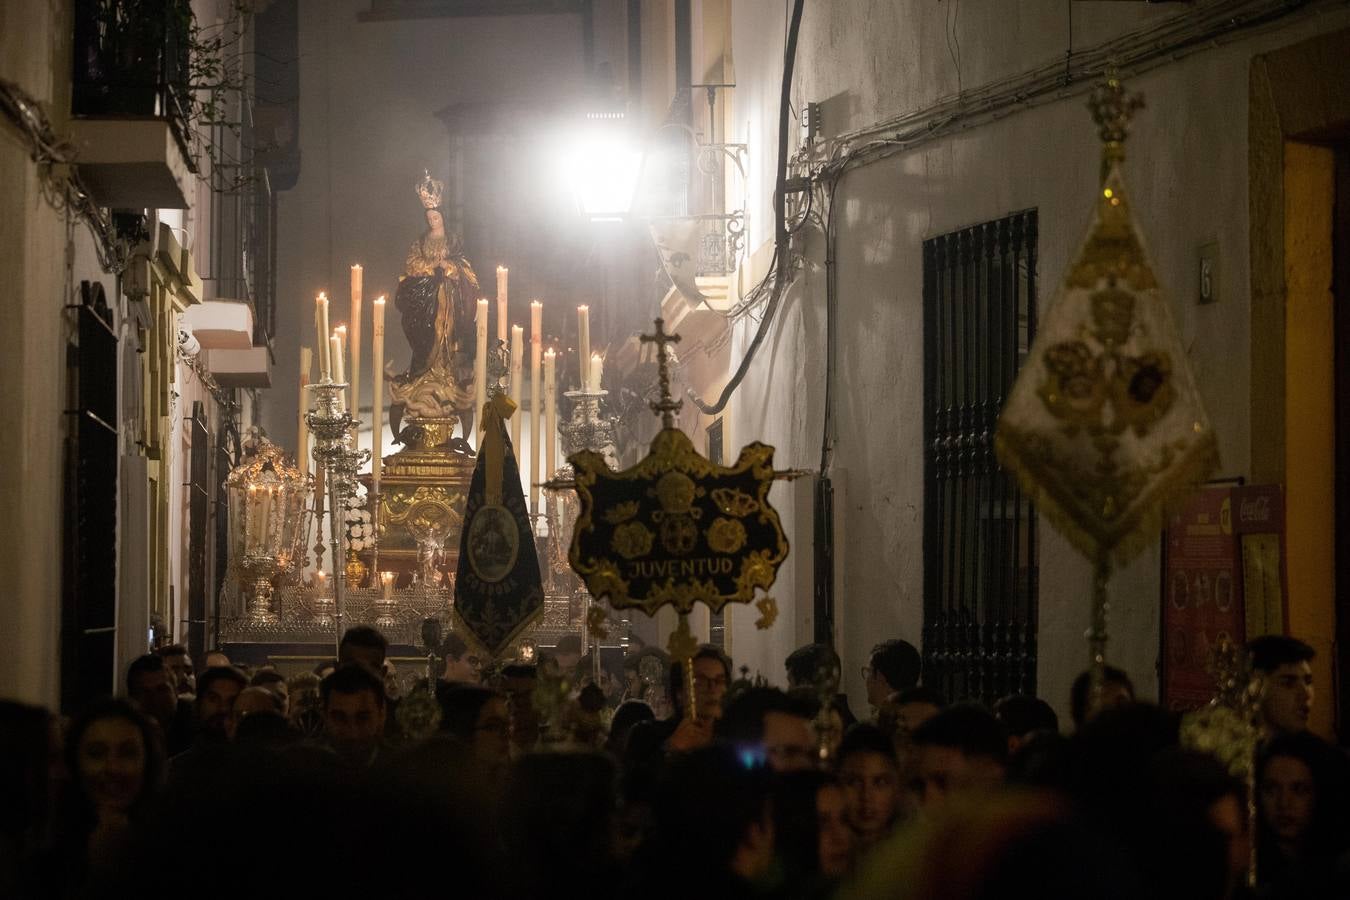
x=1202 y=595
x=1223 y=576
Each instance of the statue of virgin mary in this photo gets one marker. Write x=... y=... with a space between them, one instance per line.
x=435 y=298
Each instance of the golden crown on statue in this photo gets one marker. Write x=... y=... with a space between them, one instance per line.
x=430 y=190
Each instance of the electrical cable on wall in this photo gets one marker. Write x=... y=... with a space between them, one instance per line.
x=780 y=266
x=63 y=190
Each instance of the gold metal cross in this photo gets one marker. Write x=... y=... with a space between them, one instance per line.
x=667 y=406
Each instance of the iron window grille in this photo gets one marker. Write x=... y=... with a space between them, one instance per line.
x=89 y=548
x=980 y=531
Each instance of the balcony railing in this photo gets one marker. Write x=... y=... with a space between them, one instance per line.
x=132 y=60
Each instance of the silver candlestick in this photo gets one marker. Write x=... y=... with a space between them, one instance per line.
x=331 y=425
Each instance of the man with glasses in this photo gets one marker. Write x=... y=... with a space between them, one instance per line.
x=681 y=732
x=461 y=666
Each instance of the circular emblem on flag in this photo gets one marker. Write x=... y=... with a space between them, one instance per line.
x=493 y=543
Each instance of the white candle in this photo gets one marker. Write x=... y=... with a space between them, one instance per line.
x=356 y=343
x=302 y=434
x=536 y=422
x=321 y=326
x=584 y=344
x=340 y=358
x=597 y=370
x=335 y=352
x=387 y=584
x=377 y=401
x=550 y=413
x=480 y=366
x=501 y=304
x=517 y=389
x=264 y=543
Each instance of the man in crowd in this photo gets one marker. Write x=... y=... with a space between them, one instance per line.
x=1117 y=690
x=354 y=708
x=765 y=723
x=914 y=706
x=961 y=750
x=216 y=659
x=178 y=660
x=272 y=680
x=813 y=666
x=871 y=777
x=519 y=681
x=712 y=677
x=816 y=668
x=1284 y=665
x=365 y=646
x=461 y=666
x=680 y=733
x=894 y=666
x=1025 y=716
x=567 y=654
x=151 y=686
x=714 y=827
x=255 y=699
x=217 y=690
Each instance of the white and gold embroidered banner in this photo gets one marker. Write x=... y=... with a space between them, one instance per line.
x=1104 y=427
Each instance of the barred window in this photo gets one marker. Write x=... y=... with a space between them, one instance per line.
x=980 y=578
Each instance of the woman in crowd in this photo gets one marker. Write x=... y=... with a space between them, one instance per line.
x=812 y=836
x=480 y=718
x=1300 y=825
x=115 y=761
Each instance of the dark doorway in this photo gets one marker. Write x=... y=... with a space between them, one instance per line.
x=1341 y=293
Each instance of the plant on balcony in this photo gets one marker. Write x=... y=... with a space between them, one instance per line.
x=153 y=58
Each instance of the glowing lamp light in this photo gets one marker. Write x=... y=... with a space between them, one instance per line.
x=602 y=163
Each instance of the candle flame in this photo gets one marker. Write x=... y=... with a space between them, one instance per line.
x=341 y=328
x=380 y=299
x=356 y=265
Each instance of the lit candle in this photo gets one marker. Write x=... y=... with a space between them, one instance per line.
x=356 y=343
x=517 y=392
x=302 y=434
x=387 y=584
x=597 y=370
x=536 y=422
x=584 y=344
x=480 y=367
x=501 y=304
x=377 y=401
x=320 y=582
x=550 y=413
x=321 y=326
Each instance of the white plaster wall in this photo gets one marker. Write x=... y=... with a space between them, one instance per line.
x=32 y=377
x=1187 y=170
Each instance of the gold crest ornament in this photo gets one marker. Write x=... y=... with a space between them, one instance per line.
x=677 y=529
x=665 y=532
x=1104 y=427
x=768 y=612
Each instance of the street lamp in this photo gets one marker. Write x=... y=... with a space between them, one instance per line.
x=601 y=162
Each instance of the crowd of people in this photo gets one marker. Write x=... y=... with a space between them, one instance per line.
x=522 y=780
